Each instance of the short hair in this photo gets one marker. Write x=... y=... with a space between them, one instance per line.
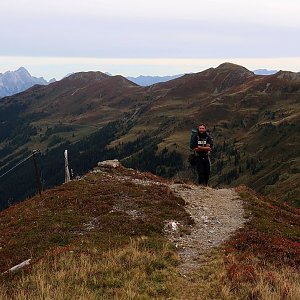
x=202 y=124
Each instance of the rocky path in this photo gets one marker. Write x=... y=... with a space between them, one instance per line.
x=217 y=213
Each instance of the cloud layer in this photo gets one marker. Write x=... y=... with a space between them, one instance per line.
x=138 y=28
x=37 y=32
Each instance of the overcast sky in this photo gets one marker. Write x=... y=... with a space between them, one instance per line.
x=157 y=37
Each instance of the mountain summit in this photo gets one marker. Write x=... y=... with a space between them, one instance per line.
x=13 y=82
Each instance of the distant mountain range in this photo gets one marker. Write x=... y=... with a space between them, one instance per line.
x=149 y=80
x=13 y=82
x=264 y=72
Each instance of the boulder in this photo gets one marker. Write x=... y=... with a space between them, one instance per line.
x=113 y=163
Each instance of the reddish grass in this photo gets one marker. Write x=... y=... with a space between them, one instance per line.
x=271 y=237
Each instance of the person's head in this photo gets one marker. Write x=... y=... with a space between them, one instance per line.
x=202 y=128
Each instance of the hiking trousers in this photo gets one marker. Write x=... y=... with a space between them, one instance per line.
x=203 y=170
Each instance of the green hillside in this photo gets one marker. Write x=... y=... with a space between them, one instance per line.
x=254 y=121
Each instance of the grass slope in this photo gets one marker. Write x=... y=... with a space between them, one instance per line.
x=102 y=238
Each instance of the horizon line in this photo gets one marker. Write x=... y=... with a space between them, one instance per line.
x=60 y=66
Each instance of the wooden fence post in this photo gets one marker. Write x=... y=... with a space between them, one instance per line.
x=67 y=172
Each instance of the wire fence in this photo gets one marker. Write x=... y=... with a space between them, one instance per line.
x=18 y=164
x=18 y=181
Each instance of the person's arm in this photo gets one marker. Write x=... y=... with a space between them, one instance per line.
x=206 y=148
x=203 y=148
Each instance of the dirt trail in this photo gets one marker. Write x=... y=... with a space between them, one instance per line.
x=217 y=213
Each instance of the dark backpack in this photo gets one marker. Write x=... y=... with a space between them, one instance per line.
x=193 y=134
x=192 y=156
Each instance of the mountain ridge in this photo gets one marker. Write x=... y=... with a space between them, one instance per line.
x=247 y=114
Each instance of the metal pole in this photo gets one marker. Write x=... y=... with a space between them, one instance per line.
x=37 y=171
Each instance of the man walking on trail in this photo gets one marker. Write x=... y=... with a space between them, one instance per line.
x=202 y=144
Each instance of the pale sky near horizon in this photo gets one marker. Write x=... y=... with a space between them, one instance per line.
x=157 y=37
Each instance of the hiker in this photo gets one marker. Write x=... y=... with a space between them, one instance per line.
x=201 y=144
